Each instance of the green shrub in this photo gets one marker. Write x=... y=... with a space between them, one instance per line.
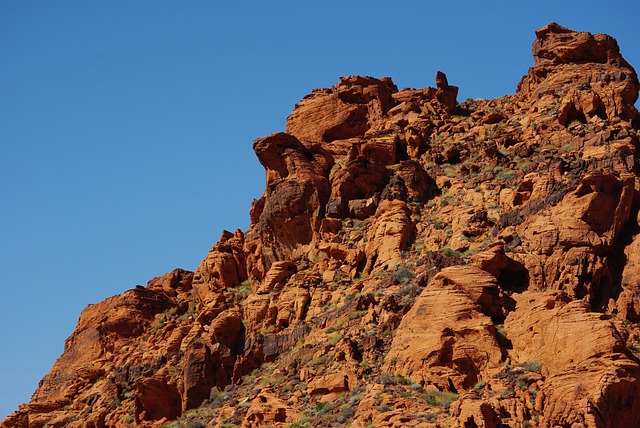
x=440 y=398
x=323 y=407
x=532 y=366
x=384 y=408
x=303 y=422
x=407 y=289
x=416 y=387
x=404 y=380
x=170 y=312
x=480 y=385
x=346 y=413
x=244 y=287
x=335 y=339
x=218 y=397
x=356 y=314
x=320 y=361
x=271 y=381
x=448 y=252
x=403 y=276
x=506 y=175
x=388 y=379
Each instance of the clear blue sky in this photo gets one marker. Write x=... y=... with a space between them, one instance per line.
x=126 y=126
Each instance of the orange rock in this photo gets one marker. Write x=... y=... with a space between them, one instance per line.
x=173 y=284
x=486 y=248
x=410 y=183
x=290 y=211
x=155 y=400
x=585 y=72
x=445 y=339
x=471 y=410
x=600 y=392
x=347 y=110
x=268 y=409
x=276 y=276
x=224 y=266
x=388 y=235
x=291 y=306
x=545 y=326
x=330 y=384
x=102 y=326
x=359 y=177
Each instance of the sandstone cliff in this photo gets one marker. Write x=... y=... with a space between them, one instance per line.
x=413 y=261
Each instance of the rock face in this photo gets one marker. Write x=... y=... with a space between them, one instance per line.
x=584 y=73
x=413 y=261
x=352 y=108
x=447 y=339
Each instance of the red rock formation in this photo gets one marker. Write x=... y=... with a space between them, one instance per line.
x=289 y=213
x=447 y=338
x=388 y=235
x=412 y=261
x=350 y=109
x=224 y=266
x=544 y=328
x=584 y=73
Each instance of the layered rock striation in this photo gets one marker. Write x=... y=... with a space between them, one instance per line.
x=413 y=261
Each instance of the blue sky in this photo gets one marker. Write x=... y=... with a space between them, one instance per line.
x=126 y=126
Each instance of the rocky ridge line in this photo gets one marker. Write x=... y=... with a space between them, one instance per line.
x=413 y=261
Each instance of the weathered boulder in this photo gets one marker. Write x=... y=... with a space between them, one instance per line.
x=544 y=327
x=224 y=266
x=157 y=399
x=472 y=411
x=267 y=409
x=388 y=235
x=599 y=392
x=446 y=339
x=289 y=213
x=358 y=177
x=349 y=109
x=583 y=74
x=101 y=329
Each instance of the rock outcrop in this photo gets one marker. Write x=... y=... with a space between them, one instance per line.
x=413 y=261
x=448 y=339
x=584 y=73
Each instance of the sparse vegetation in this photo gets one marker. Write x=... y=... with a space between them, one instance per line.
x=403 y=276
x=532 y=366
x=335 y=339
x=448 y=252
x=440 y=398
x=363 y=243
x=480 y=385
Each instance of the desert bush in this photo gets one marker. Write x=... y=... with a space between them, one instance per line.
x=403 y=276
x=532 y=366
x=440 y=398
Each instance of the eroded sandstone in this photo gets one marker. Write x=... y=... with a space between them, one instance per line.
x=413 y=261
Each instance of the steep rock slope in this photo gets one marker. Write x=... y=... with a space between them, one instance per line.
x=413 y=261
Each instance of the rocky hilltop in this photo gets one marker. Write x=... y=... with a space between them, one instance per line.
x=414 y=261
